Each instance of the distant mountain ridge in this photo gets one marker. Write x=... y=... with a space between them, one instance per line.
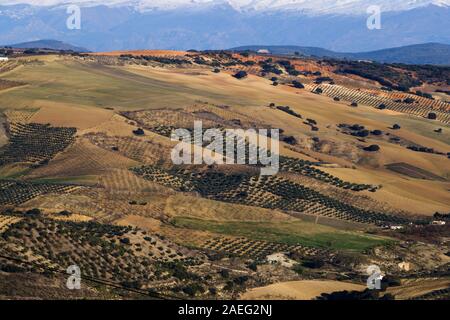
x=427 y=53
x=315 y=7
x=222 y=24
x=48 y=44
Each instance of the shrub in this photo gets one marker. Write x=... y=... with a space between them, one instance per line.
x=372 y=148
x=125 y=241
x=298 y=84
x=432 y=116
x=33 y=212
x=290 y=140
x=377 y=132
x=139 y=132
x=313 y=264
x=240 y=75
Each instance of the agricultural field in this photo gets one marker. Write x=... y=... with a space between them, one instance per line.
x=87 y=178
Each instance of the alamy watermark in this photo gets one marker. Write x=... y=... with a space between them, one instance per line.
x=228 y=146
x=73 y=22
x=74 y=280
x=374 y=20
x=375 y=277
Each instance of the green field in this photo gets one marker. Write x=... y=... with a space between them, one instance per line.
x=96 y=85
x=292 y=233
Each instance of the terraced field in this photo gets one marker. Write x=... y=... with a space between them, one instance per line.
x=257 y=249
x=421 y=107
x=265 y=192
x=14 y=193
x=6 y=221
x=35 y=143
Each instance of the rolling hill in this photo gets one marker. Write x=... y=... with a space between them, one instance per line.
x=48 y=44
x=427 y=53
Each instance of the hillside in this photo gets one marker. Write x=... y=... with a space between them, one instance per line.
x=428 y=53
x=87 y=176
x=48 y=44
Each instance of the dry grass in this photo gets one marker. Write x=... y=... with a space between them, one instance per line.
x=299 y=290
x=82 y=159
x=417 y=287
x=154 y=53
x=195 y=207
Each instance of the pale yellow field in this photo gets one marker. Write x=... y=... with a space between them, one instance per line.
x=188 y=206
x=299 y=290
x=418 y=287
x=69 y=115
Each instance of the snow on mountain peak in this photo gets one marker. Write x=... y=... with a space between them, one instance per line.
x=305 y=6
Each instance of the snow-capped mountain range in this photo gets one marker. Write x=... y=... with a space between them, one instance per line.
x=306 y=6
x=339 y=25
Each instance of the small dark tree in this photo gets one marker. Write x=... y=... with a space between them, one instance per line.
x=432 y=116
x=377 y=132
x=33 y=212
x=240 y=75
x=139 y=132
x=298 y=84
x=372 y=148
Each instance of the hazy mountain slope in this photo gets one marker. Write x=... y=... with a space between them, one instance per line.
x=316 y=7
x=48 y=44
x=429 y=53
x=221 y=26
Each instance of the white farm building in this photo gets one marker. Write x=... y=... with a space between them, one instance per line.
x=263 y=51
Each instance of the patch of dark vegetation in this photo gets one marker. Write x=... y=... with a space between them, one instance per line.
x=288 y=110
x=162 y=60
x=428 y=233
x=413 y=172
x=356 y=295
x=297 y=84
x=106 y=253
x=35 y=143
x=17 y=192
x=268 y=67
x=245 y=189
x=240 y=75
x=386 y=75
x=289 y=140
x=357 y=130
x=321 y=80
x=139 y=132
x=372 y=148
